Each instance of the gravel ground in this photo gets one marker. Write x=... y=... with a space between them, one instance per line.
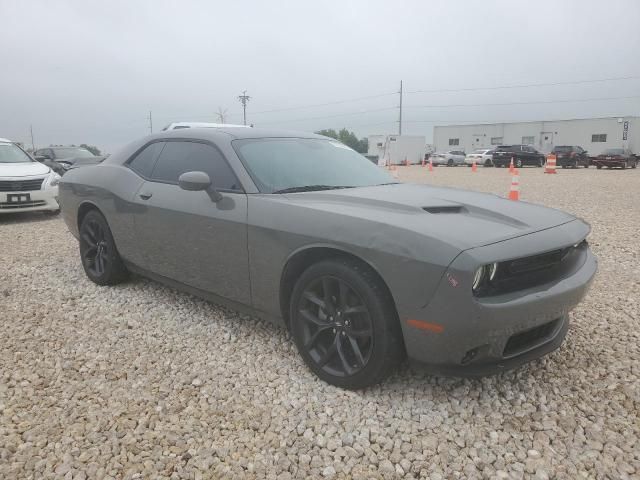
x=141 y=381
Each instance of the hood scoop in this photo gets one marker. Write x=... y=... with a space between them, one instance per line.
x=443 y=209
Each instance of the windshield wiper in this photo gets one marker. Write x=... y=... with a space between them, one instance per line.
x=311 y=188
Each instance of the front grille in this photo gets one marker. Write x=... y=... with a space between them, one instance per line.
x=34 y=203
x=523 y=341
x=528 y=272
x=21 y=185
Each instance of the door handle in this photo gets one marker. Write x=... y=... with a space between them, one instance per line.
x=145 y=196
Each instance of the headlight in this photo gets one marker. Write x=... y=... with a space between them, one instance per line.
x=477 y=278
x=483 y=275
x=54 y=179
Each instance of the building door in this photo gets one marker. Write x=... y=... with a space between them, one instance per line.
x=546 y=142
x=478 y=141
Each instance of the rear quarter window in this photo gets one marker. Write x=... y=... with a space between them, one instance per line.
x=145 y=160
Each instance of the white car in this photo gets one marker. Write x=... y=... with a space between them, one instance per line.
x=25 y=185
x=482 y=156
x=451 y=158
x=178 y=125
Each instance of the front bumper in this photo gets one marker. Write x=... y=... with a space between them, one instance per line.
x=610 y=163
x=480 y=336
x=38 y=200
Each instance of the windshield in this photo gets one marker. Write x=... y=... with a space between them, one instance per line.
x=613 y=151
x=10 y=153
x=277 y=164
x=562 y=149
x=481 y=150
x=72 y=153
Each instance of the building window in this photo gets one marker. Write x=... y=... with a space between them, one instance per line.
x=528 y=140
x=454 y=141
x=599 y=137
x=496 y=140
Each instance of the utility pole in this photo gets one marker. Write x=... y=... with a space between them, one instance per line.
x=150 y=123
x=400 y=117
x=33 y=146
x=244 y=98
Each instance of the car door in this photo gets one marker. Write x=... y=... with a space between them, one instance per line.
x=185 y=235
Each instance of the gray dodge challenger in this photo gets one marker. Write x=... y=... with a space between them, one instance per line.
x=303 y=231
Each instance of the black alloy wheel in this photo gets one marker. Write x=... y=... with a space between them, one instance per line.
x=98 y=253
x=344 y=324
x=519 y=163
x=337 y=331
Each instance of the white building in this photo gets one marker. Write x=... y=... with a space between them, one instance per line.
x=592 y=134
x=396 y=149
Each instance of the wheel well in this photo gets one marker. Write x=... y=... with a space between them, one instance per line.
x=303 y=260
x=83 y=210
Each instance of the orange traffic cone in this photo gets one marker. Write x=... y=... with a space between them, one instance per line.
x=474 y=167
x=511 y=167
x=430 y=165
x=550 y=166
x=514 y=193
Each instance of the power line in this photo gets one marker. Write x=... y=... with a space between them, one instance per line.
x=522 y=103
x=338 y=102
x=530 y=85
x=331 y=116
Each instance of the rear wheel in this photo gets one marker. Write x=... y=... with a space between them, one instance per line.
x=487 y=163
x=450 y=163
x=344 y=324
x=519 y=163
x=100 y=258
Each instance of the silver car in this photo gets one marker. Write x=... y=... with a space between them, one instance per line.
x=452 y=158
x=364 y=271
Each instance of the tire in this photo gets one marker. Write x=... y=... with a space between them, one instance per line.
x=450 y=163
x=487 y=163
x=575 y=164
x=540 y=163
x=325 y=333
x=98 y=253
x=564 y=166
x=598 y=167
x=518 y=163
x=634 y=164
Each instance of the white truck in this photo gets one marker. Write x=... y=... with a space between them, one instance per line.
x=397 y=149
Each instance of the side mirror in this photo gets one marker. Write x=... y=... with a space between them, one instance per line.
x=196 y=181
x=40 y=158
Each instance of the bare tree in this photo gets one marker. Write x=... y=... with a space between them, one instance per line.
x=222 y=115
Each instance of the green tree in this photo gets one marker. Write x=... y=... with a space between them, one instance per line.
x=331 y=133
x=348 y=138
x=91 y=148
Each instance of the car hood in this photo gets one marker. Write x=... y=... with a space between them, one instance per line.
x=23 y=169
x=461 y=218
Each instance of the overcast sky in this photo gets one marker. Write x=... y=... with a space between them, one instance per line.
x=90 y=72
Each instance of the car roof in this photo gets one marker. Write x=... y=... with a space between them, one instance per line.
x=235 y=133
x=179 y=125
x=5 y=140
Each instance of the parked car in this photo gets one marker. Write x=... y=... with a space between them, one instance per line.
x=303 y=231
x=66 y=157
x=522 y=155
x=451 y=158
x=179 y=125
x=25 y=185
x=570 y=156
x=615 y=157
x=482 y=156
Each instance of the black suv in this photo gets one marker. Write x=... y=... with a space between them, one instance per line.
x=570 y=156
x=522 y=155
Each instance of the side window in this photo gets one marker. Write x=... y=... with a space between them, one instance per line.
x=179 y=157
x=144 y=161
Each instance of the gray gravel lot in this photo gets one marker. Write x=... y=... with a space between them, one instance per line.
x=141 y=381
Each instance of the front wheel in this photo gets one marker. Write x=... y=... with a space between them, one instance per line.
x=519 y=163
x=344 y=324
x=100 y=258
x=450 y=163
